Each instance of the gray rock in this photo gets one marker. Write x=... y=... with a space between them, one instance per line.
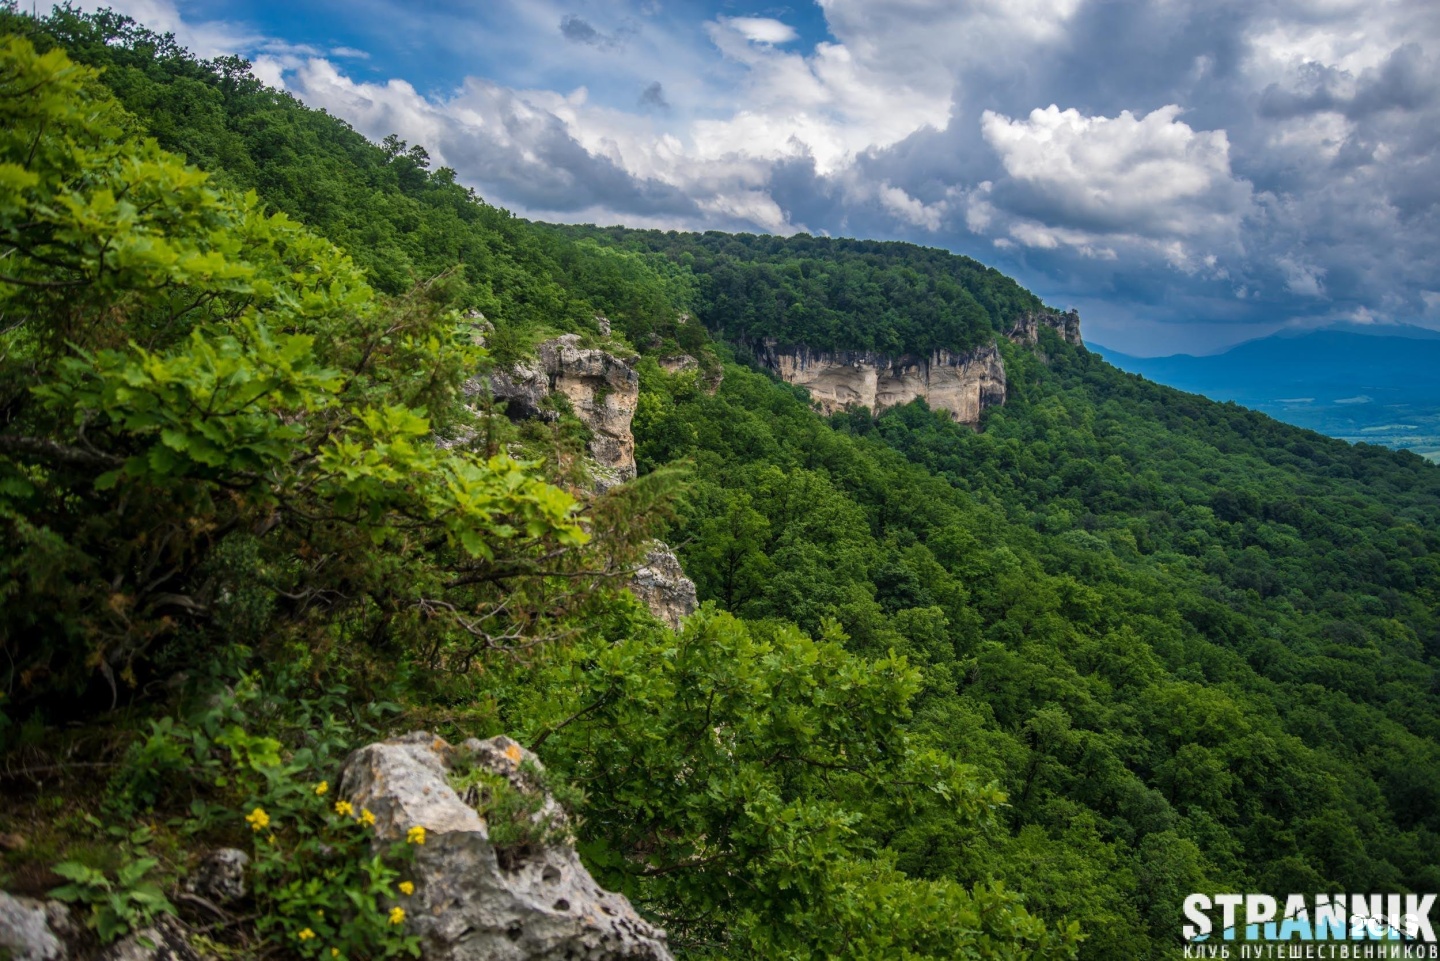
x=475 y=901
x=220 y=876
x=522 y=388
x=603 y=323
x=677 y=363
x=603 y=392
x=28 y=928
x=663 y=586
x=1026 y=330
x=962 y=385
x=163 y=941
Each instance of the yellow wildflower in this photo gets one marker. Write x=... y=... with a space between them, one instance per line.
x=407 y=888
x=258 y=819
x=366 y=817
x=344 y=808
x=397 y=915
x=415 y=835
x=334 y=952
x=321 y=788
x=305 y=935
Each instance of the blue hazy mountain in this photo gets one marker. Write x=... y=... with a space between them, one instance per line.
x=1374 y=383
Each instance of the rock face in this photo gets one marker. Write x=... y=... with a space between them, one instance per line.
x=962 y=385
x=33 y=930
x=474 y=900
x=522 y=389
x=1027 y=329
x=663 y=586
x=603 y=391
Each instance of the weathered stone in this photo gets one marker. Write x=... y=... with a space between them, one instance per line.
x=603 y=323
x=679 y=362
x=962 y=385
x=473 y=901
x=522 y=389
x=163 y=941
x=603 y=392
x=220 y=876
x=28 y=931
x=1027 y=329
x=663 y=586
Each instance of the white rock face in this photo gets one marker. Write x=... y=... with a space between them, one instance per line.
x=962 y=385
x=473 y=902
x=663 y=586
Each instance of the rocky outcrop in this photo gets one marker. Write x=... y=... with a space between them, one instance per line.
x=34 y=930
x=523 y=388
x=475 y=899
x=601 y=389
x=50 y=931
x=678 y=363
x=603 y=392
x=662 y=585
x=963 y=385
x=1027 y=329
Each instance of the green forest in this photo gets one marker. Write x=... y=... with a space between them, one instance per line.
x=1000 y=693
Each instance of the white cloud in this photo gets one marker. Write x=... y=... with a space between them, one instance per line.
x=1283 y=153
x=761 y=29
x=1099 y=180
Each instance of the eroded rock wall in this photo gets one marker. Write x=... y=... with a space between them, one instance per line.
x=1027 y=329
x=963 y=385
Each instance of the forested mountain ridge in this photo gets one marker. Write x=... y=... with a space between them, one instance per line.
x=953 y=692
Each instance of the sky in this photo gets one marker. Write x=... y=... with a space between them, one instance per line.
x=1187 y=174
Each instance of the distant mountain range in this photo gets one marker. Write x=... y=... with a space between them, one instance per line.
x=1378 y=383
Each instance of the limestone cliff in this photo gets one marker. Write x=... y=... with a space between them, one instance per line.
x=603 y=391
x=1027 y=329
x=662 y=585
x=962 y=384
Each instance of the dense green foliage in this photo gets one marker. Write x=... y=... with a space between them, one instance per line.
x=1194 y=646
x=953 y=691
x=865 y=295
x=217 y=465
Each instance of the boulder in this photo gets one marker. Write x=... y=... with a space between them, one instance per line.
x=220 y=876
x=661 y=583
x=34 y=930
x=477 y=899
x=678 y=363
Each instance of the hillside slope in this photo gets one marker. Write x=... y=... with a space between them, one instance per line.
x=1163 y=644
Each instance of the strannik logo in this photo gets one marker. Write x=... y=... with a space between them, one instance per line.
x=1322 y=926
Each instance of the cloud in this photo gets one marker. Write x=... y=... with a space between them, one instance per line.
x=1095 y=182
x=654 y=96
x=761 y=29
x=579 y=30
x=1188 y=172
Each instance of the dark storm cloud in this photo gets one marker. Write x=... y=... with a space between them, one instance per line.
x=1211 y=163
x=654 y=96
x=1329 y=202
